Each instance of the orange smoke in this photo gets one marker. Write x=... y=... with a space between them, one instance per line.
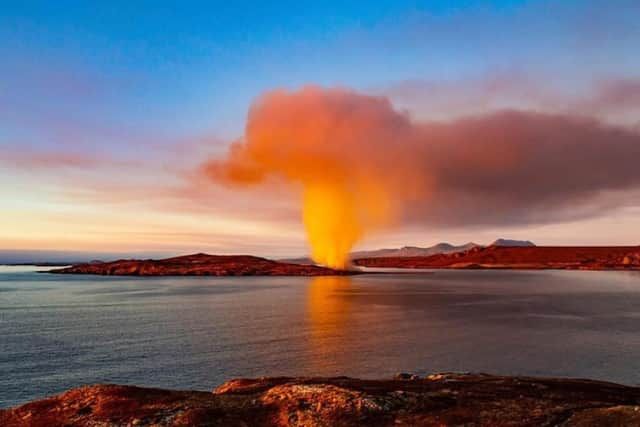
x=339 y=146
x=362 y=165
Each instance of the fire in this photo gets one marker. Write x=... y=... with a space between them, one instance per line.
x=337 y=217
x=334 y=144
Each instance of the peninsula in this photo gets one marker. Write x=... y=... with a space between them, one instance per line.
x=201 y=265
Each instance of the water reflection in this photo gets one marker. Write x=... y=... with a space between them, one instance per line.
x=328 y=313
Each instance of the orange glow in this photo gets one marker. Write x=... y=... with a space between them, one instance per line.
x=328 y=313
x=335 y=218
x=332 y=225
x=329 y=316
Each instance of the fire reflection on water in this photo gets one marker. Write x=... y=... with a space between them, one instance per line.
x=328 y=313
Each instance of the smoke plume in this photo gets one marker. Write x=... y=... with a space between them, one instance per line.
x=363 y=165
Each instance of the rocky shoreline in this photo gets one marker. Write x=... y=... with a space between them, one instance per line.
x=437 y=400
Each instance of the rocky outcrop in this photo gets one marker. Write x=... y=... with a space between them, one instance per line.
x=201 y=265
x=510 y=242
x=437 y=400
x=525 y=257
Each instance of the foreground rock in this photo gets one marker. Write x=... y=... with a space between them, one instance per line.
x=526 y=257
x=201 y=265
x=438 y=400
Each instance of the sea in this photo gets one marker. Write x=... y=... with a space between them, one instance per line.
x=63 y=331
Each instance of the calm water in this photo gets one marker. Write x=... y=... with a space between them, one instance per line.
x=59 y=332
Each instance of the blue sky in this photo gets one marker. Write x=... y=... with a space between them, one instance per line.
x=201 y=63
x=121 y=80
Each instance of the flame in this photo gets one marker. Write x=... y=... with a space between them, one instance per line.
x=332 y=225
x=336 y=217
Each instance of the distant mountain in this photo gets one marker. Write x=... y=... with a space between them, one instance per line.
x=416 y=251
x=410 y=251
x=508 y=242
x=406 y=251
x=52 y=257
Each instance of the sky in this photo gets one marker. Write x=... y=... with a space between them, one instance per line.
x=109 y=111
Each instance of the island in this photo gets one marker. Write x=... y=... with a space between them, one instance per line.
x=436 y=400
x=520 y=257
x=478 y=257
x=201 y=265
